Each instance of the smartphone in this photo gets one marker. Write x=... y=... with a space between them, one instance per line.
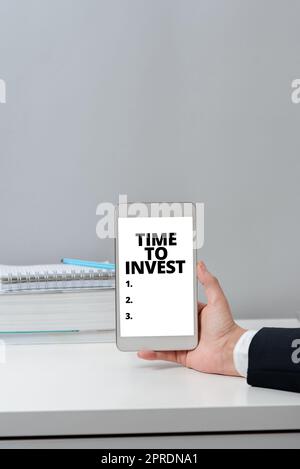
x=156 y=287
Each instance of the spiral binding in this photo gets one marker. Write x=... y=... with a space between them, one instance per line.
x=48 y=277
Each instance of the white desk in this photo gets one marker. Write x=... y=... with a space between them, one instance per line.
x=94 y=390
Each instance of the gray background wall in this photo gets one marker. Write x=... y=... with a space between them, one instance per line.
x=157 y=99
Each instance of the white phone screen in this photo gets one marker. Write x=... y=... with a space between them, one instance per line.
x=156 y=285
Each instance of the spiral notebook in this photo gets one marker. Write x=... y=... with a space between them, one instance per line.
x=55 y=277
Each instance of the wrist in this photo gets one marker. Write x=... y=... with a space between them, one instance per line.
x=228 y=350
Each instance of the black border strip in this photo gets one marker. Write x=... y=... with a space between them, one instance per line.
x=143 y=435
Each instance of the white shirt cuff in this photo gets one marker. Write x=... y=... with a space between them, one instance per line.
x=241 y=351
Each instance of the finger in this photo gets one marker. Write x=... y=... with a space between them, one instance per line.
x=213 y=290
x=170 y=356
x=201 y=306
x=151 y=355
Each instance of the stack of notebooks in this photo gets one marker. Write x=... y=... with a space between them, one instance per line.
x=60 y=303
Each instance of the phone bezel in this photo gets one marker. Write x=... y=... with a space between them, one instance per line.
x=128 y=344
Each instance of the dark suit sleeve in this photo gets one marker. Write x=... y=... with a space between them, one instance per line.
x=274 y=359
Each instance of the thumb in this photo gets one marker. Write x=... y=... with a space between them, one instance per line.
x=212 y=288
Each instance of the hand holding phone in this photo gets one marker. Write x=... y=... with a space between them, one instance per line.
x=219 y=333
x=156 y=289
